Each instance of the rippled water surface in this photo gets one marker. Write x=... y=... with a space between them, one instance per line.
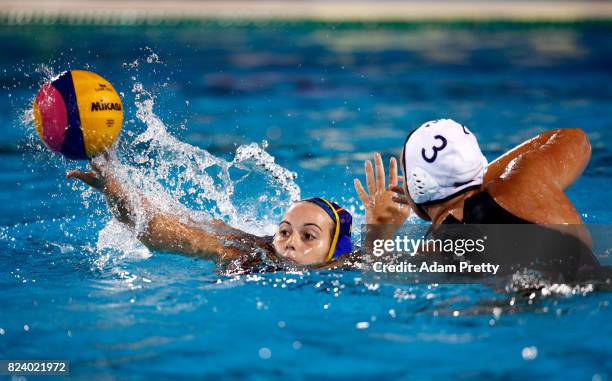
x=275 y=112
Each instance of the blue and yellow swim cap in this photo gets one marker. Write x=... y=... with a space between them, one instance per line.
x=341 y=241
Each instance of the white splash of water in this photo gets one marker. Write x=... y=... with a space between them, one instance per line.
x=532 y=280
x=47 y=72
x=189 y=181
x=129 y=248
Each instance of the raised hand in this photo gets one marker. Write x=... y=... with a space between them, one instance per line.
x=381 y=203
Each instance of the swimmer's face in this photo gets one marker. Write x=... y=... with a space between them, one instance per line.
x=415 y=209
x=305 y=234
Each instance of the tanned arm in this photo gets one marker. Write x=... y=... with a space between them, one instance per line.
x=165 y=231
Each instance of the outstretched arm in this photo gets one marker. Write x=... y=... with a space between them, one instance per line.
x=164 y=231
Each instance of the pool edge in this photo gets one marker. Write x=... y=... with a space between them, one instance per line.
x=138 y=12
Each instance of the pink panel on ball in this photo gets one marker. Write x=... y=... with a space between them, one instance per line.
x=53 y=116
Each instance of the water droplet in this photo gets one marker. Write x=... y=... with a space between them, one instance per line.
x=362 y=325
x=529 y=353
x=265 y=353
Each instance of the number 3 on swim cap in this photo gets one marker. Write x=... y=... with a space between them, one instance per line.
x=436 y=149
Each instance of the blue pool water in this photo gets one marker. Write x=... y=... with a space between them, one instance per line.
x=320 y=99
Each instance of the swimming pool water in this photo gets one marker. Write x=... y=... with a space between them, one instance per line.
x=324 y=97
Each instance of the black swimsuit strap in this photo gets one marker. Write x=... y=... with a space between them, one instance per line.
x=481 y=208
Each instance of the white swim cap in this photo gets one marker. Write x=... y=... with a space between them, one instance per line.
x=442 y=158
